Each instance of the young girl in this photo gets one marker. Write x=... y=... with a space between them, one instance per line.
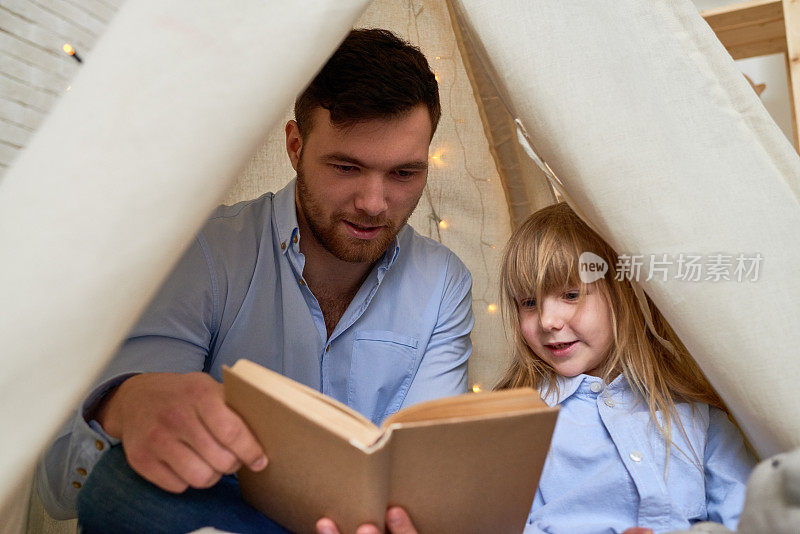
x=642 y=438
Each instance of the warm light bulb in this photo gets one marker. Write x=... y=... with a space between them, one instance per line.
x=68 y=49
x=491 y=308
x=476 y=388
x=443 y=224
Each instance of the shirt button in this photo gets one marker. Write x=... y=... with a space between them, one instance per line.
x=596 y=387
x=81 y=471
x=283 y=245
x=609 y=402
x=302 y=282
x=76 y=484
x=99 y=445
x=636 y=456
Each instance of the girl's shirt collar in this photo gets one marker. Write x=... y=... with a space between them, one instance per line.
x=582 y=385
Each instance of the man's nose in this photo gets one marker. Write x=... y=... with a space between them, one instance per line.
x=371 y=196
x=551 y=314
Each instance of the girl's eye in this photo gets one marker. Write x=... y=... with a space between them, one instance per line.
x=345 y=169
x=528 y=303
x=572 y=295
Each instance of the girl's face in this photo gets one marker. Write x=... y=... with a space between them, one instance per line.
x=574 y=336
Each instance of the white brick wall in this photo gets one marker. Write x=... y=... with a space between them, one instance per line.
x=34 y=70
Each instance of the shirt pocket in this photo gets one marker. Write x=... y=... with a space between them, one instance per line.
x=686 y=474
x=687 y=485
x=381 y=370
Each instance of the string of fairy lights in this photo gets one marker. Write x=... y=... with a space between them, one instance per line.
x=442 y=64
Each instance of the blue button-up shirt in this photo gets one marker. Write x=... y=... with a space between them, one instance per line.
x=605 y=471
x=238 y=292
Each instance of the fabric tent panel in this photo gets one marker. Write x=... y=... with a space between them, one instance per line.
x=464 y=187
x=526 y=186
x=119 y=178
x=661 y=143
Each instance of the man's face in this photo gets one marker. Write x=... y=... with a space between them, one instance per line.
x=357 y=186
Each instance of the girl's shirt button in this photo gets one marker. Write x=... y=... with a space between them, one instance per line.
x=636 y=456
x=609 y=402
x=596 y=387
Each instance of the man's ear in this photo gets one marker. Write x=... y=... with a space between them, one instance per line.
x=294 y=143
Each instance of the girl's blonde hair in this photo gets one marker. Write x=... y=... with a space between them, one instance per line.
x=541 y=258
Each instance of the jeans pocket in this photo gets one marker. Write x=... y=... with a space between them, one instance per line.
x=381 y=370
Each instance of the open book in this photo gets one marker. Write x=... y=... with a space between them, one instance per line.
x=469 y=463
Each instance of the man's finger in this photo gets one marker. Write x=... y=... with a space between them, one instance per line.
x=398 y=522
x=231 y=432
x=188 y=465
x=367 y=528
x=156 y=472
x=326 y=526
x=200 y=439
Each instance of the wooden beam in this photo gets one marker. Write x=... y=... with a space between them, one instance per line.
x=758 y=48
x=749 y=29
x=743 y=14
x=761 y=27
x=752 y=33
x=791 y=14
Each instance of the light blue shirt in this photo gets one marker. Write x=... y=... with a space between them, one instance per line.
x=238 y=293
x=605 y=469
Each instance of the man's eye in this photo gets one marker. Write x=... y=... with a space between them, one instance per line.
x=345 y=169
x=405 y=175
x=528 y=303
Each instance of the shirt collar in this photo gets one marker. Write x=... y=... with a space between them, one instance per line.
x=286 y=223
x=390 y=255
x=569 y=386
x=286 y=215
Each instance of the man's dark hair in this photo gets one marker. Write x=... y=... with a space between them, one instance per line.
x=373 y=74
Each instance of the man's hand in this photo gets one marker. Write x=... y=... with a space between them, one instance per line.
x=397 y=521
x=177 y=431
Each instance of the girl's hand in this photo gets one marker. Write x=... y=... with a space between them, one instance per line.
x=397 y=521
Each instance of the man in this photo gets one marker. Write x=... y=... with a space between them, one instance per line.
x=323 y=282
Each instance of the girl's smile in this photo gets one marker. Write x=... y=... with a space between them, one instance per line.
x=561 y=349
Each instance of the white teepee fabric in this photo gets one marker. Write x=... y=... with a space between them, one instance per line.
x=93 y=214
x=664 y=147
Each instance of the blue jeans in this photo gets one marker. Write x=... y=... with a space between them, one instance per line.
x=116 y=499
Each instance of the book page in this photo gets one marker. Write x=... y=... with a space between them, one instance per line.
x=315 y=406
x=469 y=405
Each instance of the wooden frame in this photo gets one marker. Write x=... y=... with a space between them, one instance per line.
x=760 y=27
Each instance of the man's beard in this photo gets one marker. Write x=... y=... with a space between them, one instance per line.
x=342 y=246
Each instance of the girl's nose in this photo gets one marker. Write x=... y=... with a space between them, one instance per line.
x=551 y=315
